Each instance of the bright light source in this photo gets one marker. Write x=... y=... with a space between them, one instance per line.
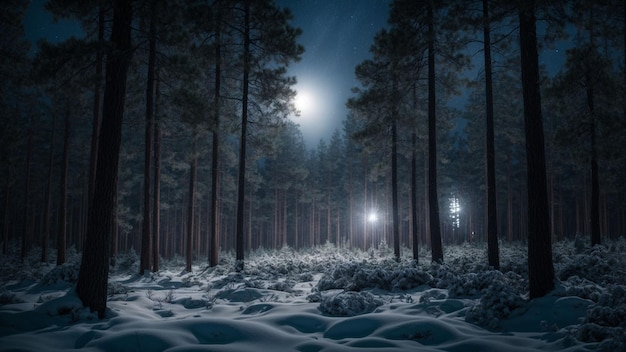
x=372 y=217
x=455 y=211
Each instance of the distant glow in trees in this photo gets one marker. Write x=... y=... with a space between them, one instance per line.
x=372 y=217
x=455 y=211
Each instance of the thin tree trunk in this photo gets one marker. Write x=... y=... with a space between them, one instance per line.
x=146 y=234
x=62 y=233
x=48 y=202
x=239 y=238
x=97 y=105
x=540 y=267
x=5 y=228
x=91 y=287
x=156 y=208
x=215 y=168
x=433 y=201
x=191 y=207
x=493 y=252
x=595 y=183
x=25 y=236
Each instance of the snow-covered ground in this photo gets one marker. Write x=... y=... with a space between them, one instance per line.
x=325 y=299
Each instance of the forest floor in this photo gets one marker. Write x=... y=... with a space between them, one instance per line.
x=325 y=299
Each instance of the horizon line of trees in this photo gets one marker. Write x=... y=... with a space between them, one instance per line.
x=209 y=159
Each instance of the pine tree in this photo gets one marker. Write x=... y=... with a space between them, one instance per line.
x=265 y=58
x=92 y=283
x=540 y=267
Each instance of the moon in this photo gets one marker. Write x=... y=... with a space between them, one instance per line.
x=303 y=102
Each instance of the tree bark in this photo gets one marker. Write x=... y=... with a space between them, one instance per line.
x=215 y=167
x=540 y=267
x=433 y=201
x=493 y=252
x=156 y=208
x=191 y=207
x=48 y=202
x=91 y=287
x=62 y=233
x=25 y=235
x=239 y=238
x=146 y=234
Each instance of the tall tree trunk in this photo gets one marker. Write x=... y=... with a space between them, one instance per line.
x=115 y=230
x=146 y=233
x=493 y=252
x=156 y=208
x=62 y=233
x=540 y=267
x=595 y=183
x=5 y=227
x=25 y=235
x=413 y=188
x=433 y=201
x=48 y=202
x=215 y=167
x=191 y=206
x=394 y=163
x=239 y=245
x=91 y=287
x=97 y=105
x=394 y=186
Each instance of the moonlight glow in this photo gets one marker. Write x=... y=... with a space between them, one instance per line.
x=314 y=100
x=303 y=102
x=455 y=211
x=372 y=217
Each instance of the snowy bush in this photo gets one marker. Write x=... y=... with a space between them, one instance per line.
x=116 y=288
x=64 y=273
x=127 y=261
x=409 y=278
x=592 y=265
x=583 y=288
x=606 y=320
x=7 y=297
x=369 y=277
x=285 y=286
x=497 y=303
x=473 y=284
x=340 y=277
x=348 y=303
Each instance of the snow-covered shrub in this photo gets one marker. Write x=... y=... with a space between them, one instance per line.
x=369 y=277
x=64 y=273
x=583 y=288
x=127 y=261
x=348 y=303
x=497 y=303
x=7 y=297
x=116 y=288
x=340 y=277
x=606 y=320
x=473 y=284
x=305 y=277
x=229 y=279
x=593 y=265
x=285 y=286
x=409 y=278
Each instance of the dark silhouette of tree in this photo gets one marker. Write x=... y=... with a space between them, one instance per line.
x=92 y=283
x=493 y=252
x=540 y=267
x=265 y=58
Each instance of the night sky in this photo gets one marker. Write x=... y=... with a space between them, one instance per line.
x=337 y=35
